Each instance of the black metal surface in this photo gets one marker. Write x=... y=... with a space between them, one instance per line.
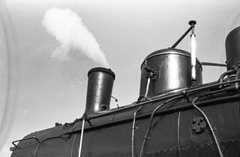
x=205 y=150
x=100 y=83
x=171 y=133
x=173 y=71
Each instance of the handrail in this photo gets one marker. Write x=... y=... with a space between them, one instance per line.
x=25 y=139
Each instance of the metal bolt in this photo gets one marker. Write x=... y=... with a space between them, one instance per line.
x=194 y=121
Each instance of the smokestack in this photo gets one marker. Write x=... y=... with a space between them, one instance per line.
x=99 y=91
x=233 y=48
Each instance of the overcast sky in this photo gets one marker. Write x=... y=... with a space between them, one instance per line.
x=53 y=69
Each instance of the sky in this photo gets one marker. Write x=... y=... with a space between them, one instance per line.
x=53 y=54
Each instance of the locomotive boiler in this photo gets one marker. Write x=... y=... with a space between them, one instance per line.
x=176 y=115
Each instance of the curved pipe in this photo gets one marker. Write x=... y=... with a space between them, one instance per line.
x=150 y=123
x=220 y=80
x=209 y=124
x=133 y=130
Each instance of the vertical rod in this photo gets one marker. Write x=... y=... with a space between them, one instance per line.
x=147 y=87
x=193 y=56
x=178 y=133
x=81 y=138
x=193 y=52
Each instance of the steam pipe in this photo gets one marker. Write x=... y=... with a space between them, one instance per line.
x=146 y=137
x=133 y=130
x=209 y=124
x=213 y=64
x=237 y=74
x=220 y=80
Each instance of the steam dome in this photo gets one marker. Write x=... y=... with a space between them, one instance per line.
x=172 y=71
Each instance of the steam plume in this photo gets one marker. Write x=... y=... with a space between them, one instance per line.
x=67 y=27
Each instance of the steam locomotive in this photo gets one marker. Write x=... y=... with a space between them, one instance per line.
x=175 y=114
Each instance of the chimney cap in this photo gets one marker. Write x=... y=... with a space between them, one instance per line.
x=102 y=70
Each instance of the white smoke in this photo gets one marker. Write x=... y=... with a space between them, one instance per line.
x=67 y=27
